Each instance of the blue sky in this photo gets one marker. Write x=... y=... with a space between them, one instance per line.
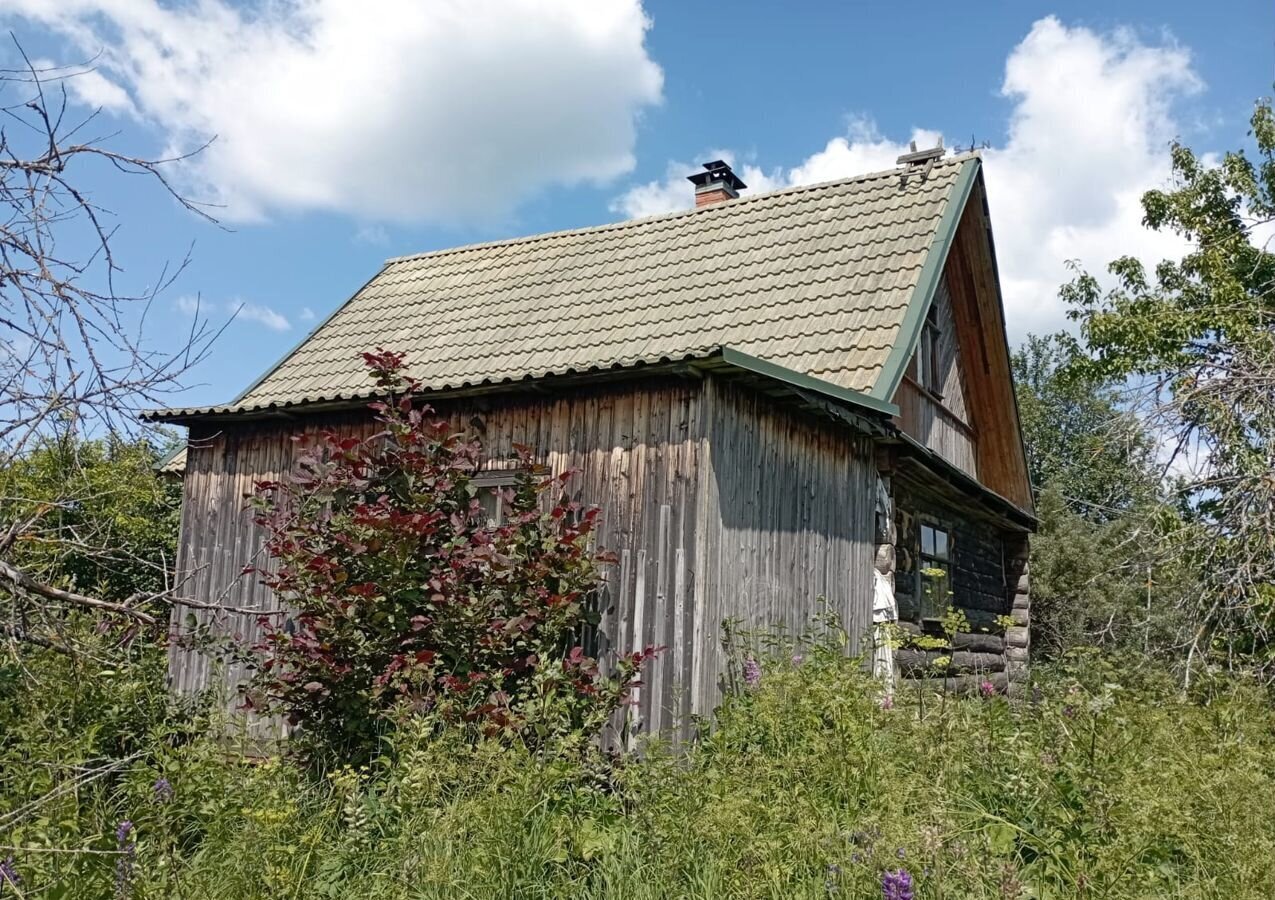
x=344 y=139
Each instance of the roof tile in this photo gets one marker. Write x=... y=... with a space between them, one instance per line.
x=816 y=279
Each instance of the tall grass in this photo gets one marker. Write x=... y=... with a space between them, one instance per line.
x=1103 y=785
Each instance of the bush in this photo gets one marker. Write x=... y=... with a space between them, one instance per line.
x=405 y=600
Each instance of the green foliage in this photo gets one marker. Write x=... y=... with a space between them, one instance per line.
x=1101 y=570
x=1105 y=783
x=108 y=526
x=1080 y=440
x=1104 y=582
x=1198 y=339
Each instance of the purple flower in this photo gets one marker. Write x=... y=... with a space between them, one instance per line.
x=752 y=672
x=124 y=864
x=987 y=689
x=163 y=790
x=798 y=659
x=887 y=702
x=9 y=873
x=896 y=885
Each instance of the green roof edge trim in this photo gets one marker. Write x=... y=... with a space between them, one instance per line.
x=809 y=382
x=301 y=343
x=926 y=285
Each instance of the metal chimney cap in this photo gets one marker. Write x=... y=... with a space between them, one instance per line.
x=717 y=172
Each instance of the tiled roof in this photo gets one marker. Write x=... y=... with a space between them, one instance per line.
x=814 y=279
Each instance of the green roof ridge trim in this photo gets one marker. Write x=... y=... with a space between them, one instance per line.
x=809 y=382
x=926 y=285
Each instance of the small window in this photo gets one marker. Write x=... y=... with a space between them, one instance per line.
x=492 y=487
x=934 y=576
x=930 y=354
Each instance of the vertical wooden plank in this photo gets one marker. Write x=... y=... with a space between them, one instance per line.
x=659 y=624
x=636 y=721
x=679 y=649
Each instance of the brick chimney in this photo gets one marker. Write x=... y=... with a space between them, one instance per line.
x=715 y=184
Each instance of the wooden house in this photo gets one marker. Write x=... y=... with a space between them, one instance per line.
x=778 y=401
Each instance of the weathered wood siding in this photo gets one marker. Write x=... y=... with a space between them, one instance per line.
x=780 y=517
x=941 y=423
x=971 y=280
x=790 y=507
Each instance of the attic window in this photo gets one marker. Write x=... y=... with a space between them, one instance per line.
x=929 y=354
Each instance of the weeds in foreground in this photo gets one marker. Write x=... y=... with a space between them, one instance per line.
x=1102 y=784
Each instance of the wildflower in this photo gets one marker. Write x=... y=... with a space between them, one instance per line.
x=896 y=885
x=752 y=672
x=833 y=879
x=887 y=702
x=124 y=865
x=797 y=660
x=9 y=873
x=163 y=790
x=987 y=689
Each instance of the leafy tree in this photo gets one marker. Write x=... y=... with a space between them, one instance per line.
x=1197 y=339
x=1098 y=573
x=406 y=600
x=1080 y=441
x=95 y=518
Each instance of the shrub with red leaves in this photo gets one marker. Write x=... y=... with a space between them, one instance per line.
x=403 y=599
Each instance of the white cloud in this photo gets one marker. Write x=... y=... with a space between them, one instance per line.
x=375 y=235
x=447 y=110
x=307 y=314
x=252 y=312
x=88 y=86
x=238 y=310
x=1087 y=135
x=861 y=150
x=188 y=305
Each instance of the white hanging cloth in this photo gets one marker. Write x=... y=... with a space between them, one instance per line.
x=884 y=611
x=884 y=608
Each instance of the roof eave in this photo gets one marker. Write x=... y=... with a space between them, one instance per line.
x=967 y=483
x=719 y=359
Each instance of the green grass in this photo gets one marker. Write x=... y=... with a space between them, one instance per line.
x=1110 y=785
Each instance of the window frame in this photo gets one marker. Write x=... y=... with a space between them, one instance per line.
x=929 y=354
x=933 y=559
x=491 y=483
